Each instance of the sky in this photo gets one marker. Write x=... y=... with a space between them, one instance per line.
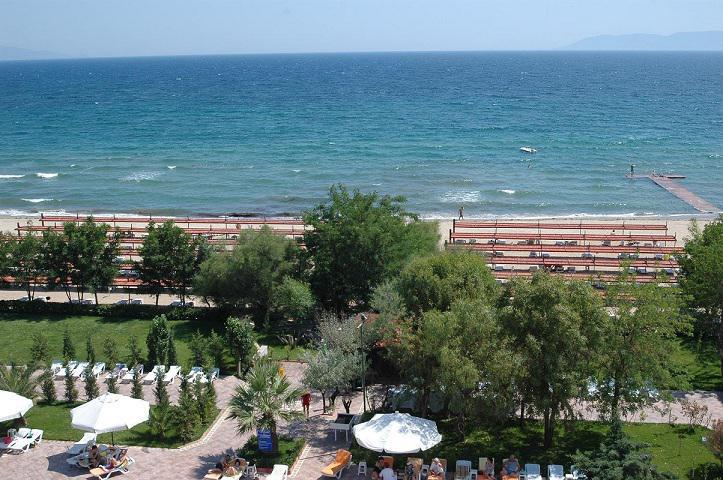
x=91 y=28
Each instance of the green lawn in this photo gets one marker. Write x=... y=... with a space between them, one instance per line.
x=699 y=364
x=54 y=420
x=16 y=333
x=674 y=448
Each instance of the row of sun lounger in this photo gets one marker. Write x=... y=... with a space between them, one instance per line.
x=21 y=440
x=122 y=373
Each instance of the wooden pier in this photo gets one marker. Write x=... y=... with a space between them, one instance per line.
x=668 y=183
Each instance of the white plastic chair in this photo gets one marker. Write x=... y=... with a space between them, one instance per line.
x=171 y=374
x=362 y=469
x=153 y=374
x=532 y=471
x=251 y=471
x=80 y=369
x=83 y=444
x=555 y=472
x=213 y=375
x=72 y=365
x=462 y=470
x=194 y=374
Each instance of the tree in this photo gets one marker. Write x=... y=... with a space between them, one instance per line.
x=249 y=274
x=112 y=384
x=68 y=346
x=199 y=397
x=619 y=458
x=110 y=350
x=358 y=241
x=157 y=341
x=161 y=418
x=27 y=262
x=714 y=440
x=91 y=383
x=90 y=350
x=134 y=356
x=292 y=299
x=186 y=414
x=197 y=345
x=555 y=326
x=330 y=370
x=209 y=399
x=171 y=354
x=216 y=348
x=137 y=387
x=47 y=386
x=239 y=334
x=39 y=350
x=388 y=302
x=436 y=281
x=91 y=255
x=170 y=258
x=266 y=399
x=702 y=278
x=71 y=393
x=18 y=379
x=7 y=243
x=55 y=261
x=161 y=392
x=639 y=338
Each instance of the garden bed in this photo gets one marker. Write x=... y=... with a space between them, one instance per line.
x=289 y=451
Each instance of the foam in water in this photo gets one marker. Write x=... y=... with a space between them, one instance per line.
x=460 y=197
x=171 y=167
x=140 y=176
x=36 y=200
x=508 y=192
x=46 y=175
x=10 y=176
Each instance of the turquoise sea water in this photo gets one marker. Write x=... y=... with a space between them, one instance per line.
x=269 y=134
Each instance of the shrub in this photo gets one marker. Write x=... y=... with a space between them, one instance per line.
x=289 y=450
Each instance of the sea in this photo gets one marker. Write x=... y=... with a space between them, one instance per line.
x=269 y=134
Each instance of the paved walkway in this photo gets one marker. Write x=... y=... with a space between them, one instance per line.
x=47 y=460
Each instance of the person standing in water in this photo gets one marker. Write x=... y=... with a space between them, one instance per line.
x=461 y=212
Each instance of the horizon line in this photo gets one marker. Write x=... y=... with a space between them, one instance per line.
x=61 y=56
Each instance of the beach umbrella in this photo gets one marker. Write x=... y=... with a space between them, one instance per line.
x=13 y=405
x=397 y=433
x=110 y=413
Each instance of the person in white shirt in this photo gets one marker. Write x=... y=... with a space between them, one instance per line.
x=387 y=474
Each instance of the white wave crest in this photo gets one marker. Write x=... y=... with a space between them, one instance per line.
x=508 y=192
x=36 y=200
x=461 y=196
x=296 y=170
x=8 y=177
x=171 y=167
x=46 y=175
x=140 y=176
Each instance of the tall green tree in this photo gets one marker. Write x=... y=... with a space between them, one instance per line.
x=170 y=258
x=216 y=348
x=637 y=344
x=90 y=350
x=91 y=383
x=47 y=386
x=556 y=328
x=91 y=253
x=56 y=263
x=436 y=281
x=157 y=341
x=186 y=413
x=39 y=349
x=265 y=399
x=702 y=278
x=7 y=244
x=110 y=351
x=292 y=299
x=239 y=334
x=619 y=458
x=68 y=346
x=358 y=241
x=134 y=351
x=71 y=392
x=250 y=273
x=197 y=345
x=137 y=384
x=26 y=259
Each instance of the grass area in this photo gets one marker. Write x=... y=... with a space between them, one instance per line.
x=699 y=364
x=289 y=449
x=675 y=449
x=54 y=420
x=16 y=333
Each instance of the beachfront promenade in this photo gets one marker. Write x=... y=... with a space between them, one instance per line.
x=47 y=460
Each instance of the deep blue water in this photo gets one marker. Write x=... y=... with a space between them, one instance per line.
x=270 y=134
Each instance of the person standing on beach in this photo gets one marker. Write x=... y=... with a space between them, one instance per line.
x=306 y=403
x=461 y=212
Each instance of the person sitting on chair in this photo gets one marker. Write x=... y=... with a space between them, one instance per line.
x=511 y=468
x=94 y=457
x=436 y=468
x=378 y=467
x=488 y=470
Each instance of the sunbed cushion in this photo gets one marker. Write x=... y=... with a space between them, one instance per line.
x=343 y=457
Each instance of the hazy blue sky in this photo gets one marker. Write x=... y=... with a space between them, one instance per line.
x=153 y=27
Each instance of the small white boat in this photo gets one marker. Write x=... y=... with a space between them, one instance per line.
x=527 y=150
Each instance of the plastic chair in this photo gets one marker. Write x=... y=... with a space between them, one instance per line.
x=251 y=471
x=362 y=469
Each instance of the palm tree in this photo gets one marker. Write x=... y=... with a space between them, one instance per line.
x=266 y=399
x=14 y=378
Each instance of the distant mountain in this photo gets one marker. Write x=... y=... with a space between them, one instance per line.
x=708 y=41
x=13 y=53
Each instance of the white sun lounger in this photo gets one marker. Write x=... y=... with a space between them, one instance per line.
x=280 y=472
x=118 y=371
x=171 y=374
x=34 y=434
x=72 y=365
x=80 y=369
x=56 y=366
x=97 y=369
x=83 y=444
x=128 y=377
x=194 y=374
x=152 y=376
x=213 y=375
x=106 y=473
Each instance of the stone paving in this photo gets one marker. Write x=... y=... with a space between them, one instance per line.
x=47 y=460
